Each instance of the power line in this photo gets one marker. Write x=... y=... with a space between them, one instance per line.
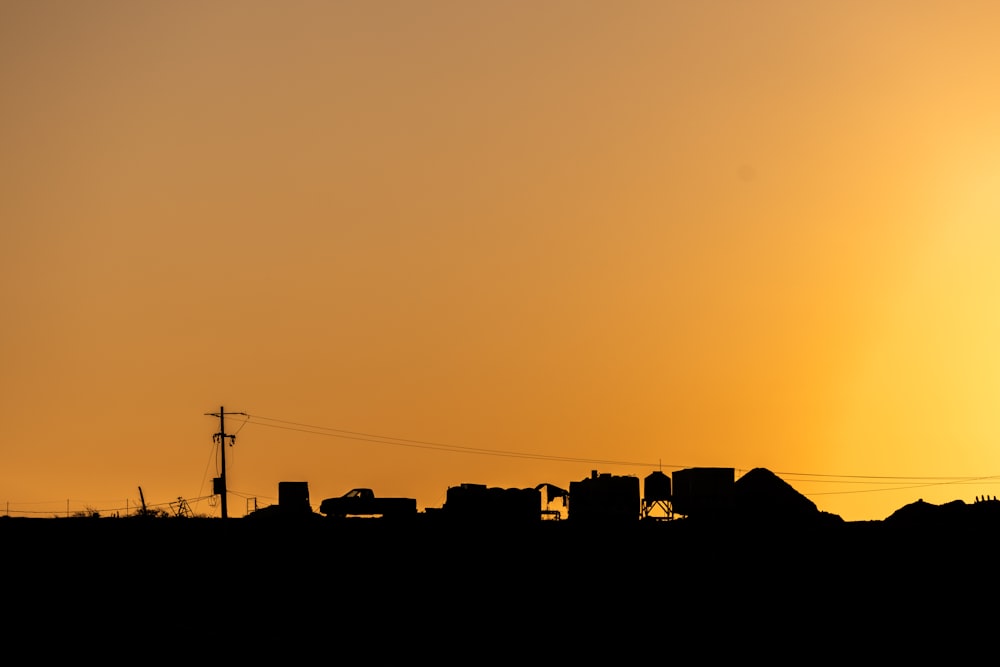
x=878 y=477
x=439 y=446
x=897 y=482
x=910 y=482
x=905 y=482
x=963 y=480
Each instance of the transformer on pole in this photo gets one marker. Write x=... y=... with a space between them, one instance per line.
x=219 y=483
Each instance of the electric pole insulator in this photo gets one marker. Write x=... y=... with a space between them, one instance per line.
x=219 y=483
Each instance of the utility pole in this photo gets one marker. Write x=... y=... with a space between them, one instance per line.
x=220 y=437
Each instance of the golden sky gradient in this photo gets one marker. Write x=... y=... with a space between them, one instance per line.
x=599 y=235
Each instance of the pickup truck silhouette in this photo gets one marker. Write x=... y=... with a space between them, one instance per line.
x=362 y=502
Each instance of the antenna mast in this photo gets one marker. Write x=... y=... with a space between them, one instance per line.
x=220 y=437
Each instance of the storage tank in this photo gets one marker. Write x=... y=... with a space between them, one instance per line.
x=656 y=487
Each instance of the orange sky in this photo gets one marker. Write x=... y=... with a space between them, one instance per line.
x=740 y=234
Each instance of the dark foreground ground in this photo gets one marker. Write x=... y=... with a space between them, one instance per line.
x=280 y=591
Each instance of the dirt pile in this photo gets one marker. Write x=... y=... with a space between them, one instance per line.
x=763 y=495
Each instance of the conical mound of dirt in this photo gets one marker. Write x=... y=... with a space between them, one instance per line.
x=764 y=494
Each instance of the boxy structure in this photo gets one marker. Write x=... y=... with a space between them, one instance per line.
x=703 y=491
x=294 y=497
x=604 y=498
x=480 y=503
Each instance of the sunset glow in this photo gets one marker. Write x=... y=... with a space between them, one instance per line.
x=424 y=244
